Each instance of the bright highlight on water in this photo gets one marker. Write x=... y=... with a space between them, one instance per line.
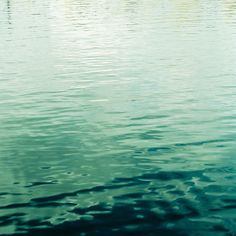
x=117 y=117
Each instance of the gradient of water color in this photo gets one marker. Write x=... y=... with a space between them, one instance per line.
x=117 y=117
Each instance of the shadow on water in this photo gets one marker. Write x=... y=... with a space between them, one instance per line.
x=9 y=12
x=122 y=219
x=150 y=212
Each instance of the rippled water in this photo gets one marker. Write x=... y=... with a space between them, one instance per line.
x=117 y=117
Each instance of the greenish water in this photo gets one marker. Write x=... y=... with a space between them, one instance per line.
x=117 y=117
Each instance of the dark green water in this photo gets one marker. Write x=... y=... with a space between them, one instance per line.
x=117 y=117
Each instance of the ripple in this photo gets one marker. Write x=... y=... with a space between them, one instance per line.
x=117 y=117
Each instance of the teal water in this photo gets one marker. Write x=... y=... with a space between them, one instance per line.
x=117 y=117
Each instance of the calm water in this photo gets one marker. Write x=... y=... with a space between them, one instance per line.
x=117 y=117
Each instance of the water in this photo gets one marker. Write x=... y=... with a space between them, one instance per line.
x=117 y=117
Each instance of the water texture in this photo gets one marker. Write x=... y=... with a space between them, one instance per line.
x=117 y=117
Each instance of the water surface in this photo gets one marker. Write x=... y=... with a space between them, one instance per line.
x=117 y=117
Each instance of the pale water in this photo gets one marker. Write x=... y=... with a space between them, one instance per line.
x=117 y=117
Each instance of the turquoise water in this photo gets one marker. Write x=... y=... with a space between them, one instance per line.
x=117 y=117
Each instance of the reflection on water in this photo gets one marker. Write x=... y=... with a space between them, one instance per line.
x=117 y=117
